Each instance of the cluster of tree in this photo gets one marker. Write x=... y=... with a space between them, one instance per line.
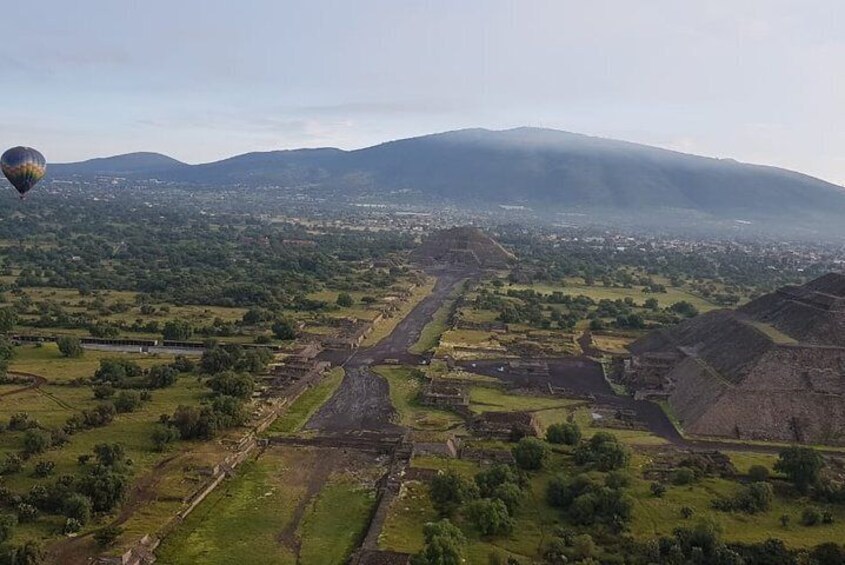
x=489 y=502
x=565 y=311
x=108 y=247
x=234 y=358
x=603 y=451
x=588 y=501
x=99 y=488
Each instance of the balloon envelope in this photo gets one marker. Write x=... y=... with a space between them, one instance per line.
x=24 y=167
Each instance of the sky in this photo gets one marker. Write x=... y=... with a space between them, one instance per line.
x=758 y=81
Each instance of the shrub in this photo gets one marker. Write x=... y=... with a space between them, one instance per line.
x=617 y=479
x=801 y=465
x=20 y=421
x=164 y=435
x=13 y=464
x=72 y=526
x=70 y=346
x=26 y=512
x=658 y=489
x=811 y=516
x=44 y=468
x=127 y=401
x=162 y=376
x=36 y=441
x=567 y=433
x=758 y=473
x=683 y=476
x=106 y=537
x=687 y=512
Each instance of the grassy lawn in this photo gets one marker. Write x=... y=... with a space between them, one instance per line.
x=489 y=399
x=307 y=404
x=240 y=522
x=328 y=535
x=403 y=393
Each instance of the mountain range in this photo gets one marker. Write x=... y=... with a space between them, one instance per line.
x=539 y=168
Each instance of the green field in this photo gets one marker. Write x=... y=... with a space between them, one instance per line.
x=329 y=535
x=48 y=362
x=240 y=522
x=266 y=512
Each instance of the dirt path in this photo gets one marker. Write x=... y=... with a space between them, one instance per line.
x=35 y=382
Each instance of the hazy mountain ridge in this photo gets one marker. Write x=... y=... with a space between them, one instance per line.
x=535 y=167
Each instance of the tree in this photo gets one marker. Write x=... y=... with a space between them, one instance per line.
x=110 y=454
x=104 y=486
x=530 y=453
x=511 y=495
x=490 y=517
x=345 y=300
x=444 y=544
x=603 y=451
x=8 y=319
x=78 y=507
x=493 y=477
x=801 y=465
x=70 y=346
x=162 y=376
x=284 y=329
x=238 y=385
x=450 y=490
x=566 y=433
x=177 y=330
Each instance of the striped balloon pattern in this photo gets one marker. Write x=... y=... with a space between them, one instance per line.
x=24 y=167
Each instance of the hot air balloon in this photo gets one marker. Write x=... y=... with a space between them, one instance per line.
x=24 y=167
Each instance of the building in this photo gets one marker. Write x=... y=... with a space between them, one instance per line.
x=773 y=369
x=505 y=425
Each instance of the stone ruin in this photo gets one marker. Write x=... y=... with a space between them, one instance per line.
x=773 y=369
x=465 y=246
